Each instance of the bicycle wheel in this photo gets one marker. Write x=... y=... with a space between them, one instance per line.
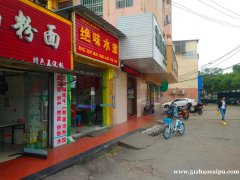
x=181 y=129
x=167 y=132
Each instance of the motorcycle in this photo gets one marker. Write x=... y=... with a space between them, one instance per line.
x=196 y=109
x=149 y=108
x=180 y=112
x=183 y=113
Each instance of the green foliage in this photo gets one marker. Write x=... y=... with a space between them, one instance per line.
x=212 y=71
x=214 y=81
x=236 y=68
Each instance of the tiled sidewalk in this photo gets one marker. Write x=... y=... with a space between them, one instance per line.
x=27 y=166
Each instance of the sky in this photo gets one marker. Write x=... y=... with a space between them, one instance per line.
x=215 y=40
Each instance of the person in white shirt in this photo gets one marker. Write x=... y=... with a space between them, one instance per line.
x=222 y=106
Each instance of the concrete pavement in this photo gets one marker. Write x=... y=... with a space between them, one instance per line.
x=206 y=145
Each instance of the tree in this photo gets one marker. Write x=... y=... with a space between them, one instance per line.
x=236 y=68
x=236 y=81
x=214 y=81
x=212 y=71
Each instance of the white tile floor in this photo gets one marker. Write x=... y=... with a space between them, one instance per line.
x=9 y=151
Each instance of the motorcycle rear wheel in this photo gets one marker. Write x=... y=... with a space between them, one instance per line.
x=200 y=111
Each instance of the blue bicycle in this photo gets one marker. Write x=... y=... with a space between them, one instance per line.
x=179 y=127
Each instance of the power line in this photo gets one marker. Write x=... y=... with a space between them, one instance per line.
x=230 y=66
x=226 y=59
x=224 y=8
x=216 y=64
x=188 y=75
x=197 y=77
x=217 y=9
x=203 y=16
x=211 y=62
x=187 y=80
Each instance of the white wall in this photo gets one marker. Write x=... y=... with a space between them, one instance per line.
x=120 y=112
x=138 y=43
x=141 y=95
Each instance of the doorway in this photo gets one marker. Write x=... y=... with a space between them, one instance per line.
x=87 y=97
x=131 y=96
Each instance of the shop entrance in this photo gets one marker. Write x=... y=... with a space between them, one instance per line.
x=87 y=99
x=153 y=93
x=132 y=96
x=24 y=112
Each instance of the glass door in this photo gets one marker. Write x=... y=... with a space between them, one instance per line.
x=36 y=110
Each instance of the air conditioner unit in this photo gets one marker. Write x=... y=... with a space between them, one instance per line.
x=181 y=92
x=172 y=92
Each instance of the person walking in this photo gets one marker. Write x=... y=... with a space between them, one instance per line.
x=222 y=108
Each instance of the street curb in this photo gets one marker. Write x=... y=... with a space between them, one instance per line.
x=80 y=158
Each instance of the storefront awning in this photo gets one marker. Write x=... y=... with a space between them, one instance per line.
x=26 y=66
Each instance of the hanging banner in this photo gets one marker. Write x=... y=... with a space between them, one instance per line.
x=61 y=108
x=34 y=34
x=93 y=42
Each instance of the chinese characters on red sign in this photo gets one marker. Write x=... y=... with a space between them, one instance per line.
x=60 y=110
x=130 y=70
x=32 y=34
x=93 y=42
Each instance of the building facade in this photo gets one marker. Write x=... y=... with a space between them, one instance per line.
x=187 y=59
x=36 y=59
x=150 y=47
x=57 y=75
x=81 y=71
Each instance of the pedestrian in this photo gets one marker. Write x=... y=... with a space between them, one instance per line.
x=222 y=106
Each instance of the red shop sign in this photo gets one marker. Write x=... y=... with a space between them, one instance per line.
x=33 y=34
x=95 y=43
x=130 y=70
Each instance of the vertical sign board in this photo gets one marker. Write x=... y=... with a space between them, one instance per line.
x=159 y=46
x=60 y=109
x=34 y=34
x=95 y=43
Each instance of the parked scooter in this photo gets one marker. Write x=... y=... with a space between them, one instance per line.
x=196 y=109
x=149 y=108
x=181 y=112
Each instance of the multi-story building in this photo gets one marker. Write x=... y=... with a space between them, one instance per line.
x=187 y=59
x=146 y=52
x=86 y=71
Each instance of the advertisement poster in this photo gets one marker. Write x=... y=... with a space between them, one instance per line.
x=61 y=109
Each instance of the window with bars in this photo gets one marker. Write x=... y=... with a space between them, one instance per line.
x=123 y=3
x=180 y=47
x=95 y=6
